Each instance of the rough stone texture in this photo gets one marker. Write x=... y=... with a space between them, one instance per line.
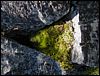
x=89 y=19
x=17 y=59
x=83 y=70
x=31 y=15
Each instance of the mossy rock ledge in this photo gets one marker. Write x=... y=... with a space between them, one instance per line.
x=56 y=42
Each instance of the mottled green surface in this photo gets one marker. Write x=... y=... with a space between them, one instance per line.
x=92 y=71
x=56 y=41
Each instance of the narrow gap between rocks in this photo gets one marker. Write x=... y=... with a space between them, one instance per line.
x=24 y=39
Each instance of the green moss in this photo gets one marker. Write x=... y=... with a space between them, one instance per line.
x=92 y=71
x=55 y=41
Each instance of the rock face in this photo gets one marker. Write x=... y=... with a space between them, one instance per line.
x=31 y=15
x=83 y=70
x=88 y=53
x=17 y=59
x=89 y=19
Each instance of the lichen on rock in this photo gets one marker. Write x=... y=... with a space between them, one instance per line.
x=56 y=42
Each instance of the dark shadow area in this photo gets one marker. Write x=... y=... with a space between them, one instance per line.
x=21 y=39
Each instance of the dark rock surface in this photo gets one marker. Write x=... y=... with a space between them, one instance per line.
x=27 y=16
x=89 y=21
x=83 y=70
x=89 y=24
x=17 y=59
x=19 y=18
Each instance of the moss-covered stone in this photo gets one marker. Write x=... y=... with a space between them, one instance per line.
x=56 y=41
x=92 y=71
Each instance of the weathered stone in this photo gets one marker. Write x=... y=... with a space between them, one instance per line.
x=17 y=59
x=26 y=16
x=83 y=70
x=31 y=15
x=88 y=18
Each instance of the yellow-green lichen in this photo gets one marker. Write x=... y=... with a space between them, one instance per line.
x=56 y=41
